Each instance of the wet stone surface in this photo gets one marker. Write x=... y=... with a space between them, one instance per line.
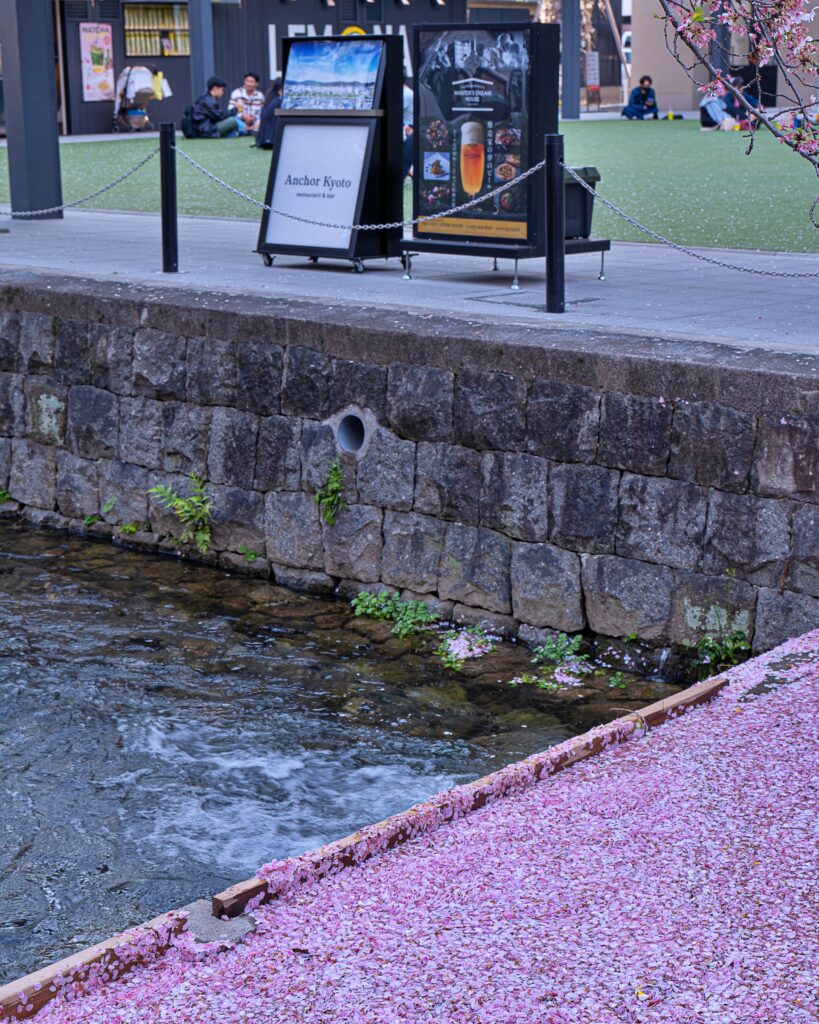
x=167 y=728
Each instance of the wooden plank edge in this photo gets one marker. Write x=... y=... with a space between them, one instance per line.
x=398 y=829
x=112 y=958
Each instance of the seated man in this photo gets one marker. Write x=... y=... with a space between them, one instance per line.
x=714 y=114
x=208 y=119
x=642 y=102
x=248 y=101
x=734 y=107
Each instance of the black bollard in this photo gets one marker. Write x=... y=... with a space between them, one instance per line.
x=167 y=178
x=555 y=225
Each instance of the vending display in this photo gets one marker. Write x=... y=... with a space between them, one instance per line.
x=477 y=127
x=157 y=30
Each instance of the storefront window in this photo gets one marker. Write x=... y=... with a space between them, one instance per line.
x=156 y=30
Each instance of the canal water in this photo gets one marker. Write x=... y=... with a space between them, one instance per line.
x=166 y=728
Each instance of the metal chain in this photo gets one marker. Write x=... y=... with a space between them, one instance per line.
x=363 y=227
x=683 y=248
x=85 y=199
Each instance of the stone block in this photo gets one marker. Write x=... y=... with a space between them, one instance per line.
x=781 y=616
x=112 y=359
x=293 y=531
x=412 y=550
x=278 y=454
x=386 y=472
x=37 y=342
x=490 y=622
x=749 y=536
x=352 y=546
x=9 y=342
x=490 y=410
x=448 y=482
x=12 y=404
x=787 y=457
x=74 y=342
x=212 y=371
x=141 y=431
x=624 y=596
x=77 y=486
x=546 y=588
x=514 y=495
x=804 y=575
x=361 y=384
x=259 y=377
x=420 y=402
x=583 y=502
x=32 y=480
x=241 y=565
x=661 y=521
x=159 y=365
x=237 y=519
x=126 y=485
x=305 y=390
x=93 y=422
x=232 y=451
x=303 y=580
x=635 y=433
x=185 y=436
x=712 y=445
x=45 y=520
x=710 y=604
x=46 y=407
x=562 y=421
x=475 y=568
x=5 y=461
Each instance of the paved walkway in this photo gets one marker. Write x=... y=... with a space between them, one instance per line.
x=668 y=880
x=649 y=290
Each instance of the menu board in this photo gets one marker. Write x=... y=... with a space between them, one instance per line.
x=97 y=62
x=472 y=129
x=331 y=74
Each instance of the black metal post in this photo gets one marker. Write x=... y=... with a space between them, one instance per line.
x=167 y=177
x=555 y=225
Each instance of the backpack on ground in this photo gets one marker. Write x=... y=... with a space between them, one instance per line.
x=187 y=124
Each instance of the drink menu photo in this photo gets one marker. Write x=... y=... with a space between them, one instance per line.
x=472 y=129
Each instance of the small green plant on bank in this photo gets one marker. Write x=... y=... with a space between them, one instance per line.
x=528 y=679
x=194 y=512
x=249 y=553
x=715 y=652
x=630 y=639
x=408 y=617
x=616 y=682
x=559 y=649
x=329 y=496
x=109 y=506
x=4 y=496
x=89 y=521
x=129 y=528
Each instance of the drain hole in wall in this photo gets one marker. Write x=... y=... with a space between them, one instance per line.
x=350 y=434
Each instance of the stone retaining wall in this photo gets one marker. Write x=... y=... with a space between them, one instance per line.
x=555 y=480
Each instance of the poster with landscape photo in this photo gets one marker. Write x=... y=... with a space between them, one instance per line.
x=332 y=74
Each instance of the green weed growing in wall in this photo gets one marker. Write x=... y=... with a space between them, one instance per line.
x=193 y=512
x=329 y=496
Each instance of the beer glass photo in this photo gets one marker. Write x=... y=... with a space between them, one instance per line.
x=472 y=157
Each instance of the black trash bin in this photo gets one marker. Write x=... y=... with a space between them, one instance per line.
x=579 y=202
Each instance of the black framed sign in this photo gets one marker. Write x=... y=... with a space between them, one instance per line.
x=337 y=154
x=485 y=96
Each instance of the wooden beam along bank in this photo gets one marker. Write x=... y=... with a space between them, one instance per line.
x=111 y=959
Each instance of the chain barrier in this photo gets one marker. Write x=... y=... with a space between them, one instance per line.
x=683 y=248
x=86 y=199
x=363 y=227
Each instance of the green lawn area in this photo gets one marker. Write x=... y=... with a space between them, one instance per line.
x=696 y=188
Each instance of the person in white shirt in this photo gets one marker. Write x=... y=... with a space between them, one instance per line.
x=248 y=101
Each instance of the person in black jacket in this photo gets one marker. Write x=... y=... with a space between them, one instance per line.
x=267 y=119
x=642 y=103
x=209 y=121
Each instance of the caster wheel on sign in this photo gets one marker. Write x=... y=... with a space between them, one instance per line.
x=267 y=259
x=358 y=266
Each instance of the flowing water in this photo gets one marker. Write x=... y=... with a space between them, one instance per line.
x=166 y=728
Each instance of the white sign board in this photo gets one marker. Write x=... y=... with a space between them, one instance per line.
x=592 y=68
x=318 y=176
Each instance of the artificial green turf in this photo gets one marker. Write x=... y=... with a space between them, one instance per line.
x=696 y=188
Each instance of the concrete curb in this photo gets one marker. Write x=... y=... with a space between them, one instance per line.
x=114 y=957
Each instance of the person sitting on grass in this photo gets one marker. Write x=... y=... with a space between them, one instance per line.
x=248 y=101
x=208 y=119
x=642 y=102
x=266 y=135
x=714 y=115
